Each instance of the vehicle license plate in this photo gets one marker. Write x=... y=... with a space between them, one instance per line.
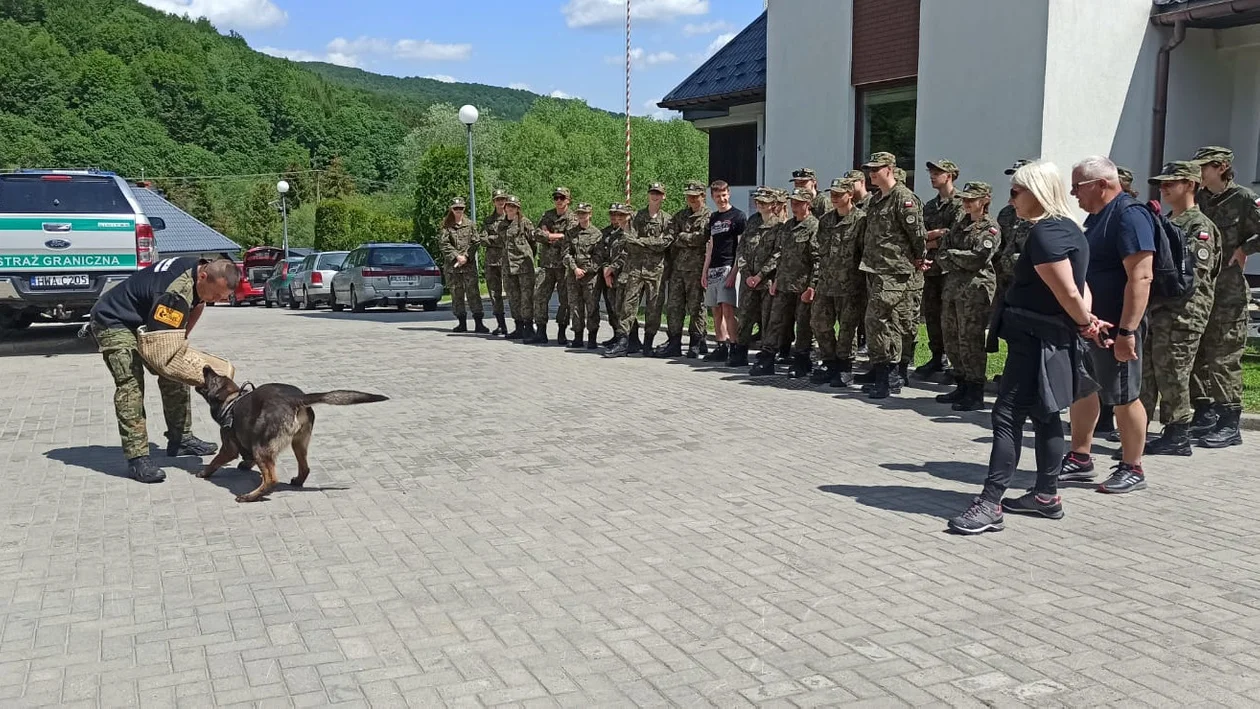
x=404 y=280
x=78 y=280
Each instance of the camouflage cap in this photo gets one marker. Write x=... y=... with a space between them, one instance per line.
x=804 y=173
x=625 y=208
x=1018 y=164
x=457 y=202
x=943 y=166
x=561 y=192
x=781 y=196
x=975 y=190
x=614 y=208
x=841 y=184
x=656 y=187
x=800 y=195
x=1213 y=153
x=499 y=193
x=1179 y=170
x=694 y=188
x=855 y=175
x=513 y=200
x=764 y=194
x=582 y=208
x=1124 y=173
x=881 y=160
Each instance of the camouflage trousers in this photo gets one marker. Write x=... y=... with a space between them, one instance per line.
x=934 y=312
x=636 y=287
x=754 y=311
x=1169 y=350
x=787 y=315
x=686 y=300
x=964 y=318
x=910 y=330
x=520 y=293
x=118 y=347
x=465 y=293
x=828 y=310
x=1217 y=374
x=892 y=309
x=611 y=296
x=494 y=283
x=551 y=280
x=584 y=302
x=662 y=299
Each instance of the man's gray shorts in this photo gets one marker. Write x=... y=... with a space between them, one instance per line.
x=717 y=292
x=1119 y=383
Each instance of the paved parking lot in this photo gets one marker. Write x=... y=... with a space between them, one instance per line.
x=533 y=527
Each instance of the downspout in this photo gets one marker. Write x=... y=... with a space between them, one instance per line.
x=1160 y=127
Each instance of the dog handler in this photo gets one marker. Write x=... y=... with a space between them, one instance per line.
x=170 y=294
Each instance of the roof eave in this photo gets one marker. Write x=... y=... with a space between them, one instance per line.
x=717 y=101
x=1215 y=14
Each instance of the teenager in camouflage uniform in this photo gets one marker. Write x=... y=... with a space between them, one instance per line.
x=940 y=214
x=583 y=265
x=836 y=293
x=1217 y=385
x=806 y=179
x=458 y=242
x=966 y=259
x=792 y=289
x=755 y=263
x=1175 y=328
x=893 y=253
x=551 y=277
x=641 y=268
x=686 y=295
x=516 y=233
x=609 y=253
x=489 y=238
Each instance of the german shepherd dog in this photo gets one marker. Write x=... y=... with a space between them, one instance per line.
x=257 y=423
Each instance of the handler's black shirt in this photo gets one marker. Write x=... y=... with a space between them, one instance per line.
x=132 y=303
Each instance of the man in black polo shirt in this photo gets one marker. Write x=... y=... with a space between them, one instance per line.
x=170 y=294
x=1121 y=235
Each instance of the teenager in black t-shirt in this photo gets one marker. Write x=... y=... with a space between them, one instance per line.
x=726 y=224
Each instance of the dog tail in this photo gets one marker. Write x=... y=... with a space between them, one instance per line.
x=342 y=397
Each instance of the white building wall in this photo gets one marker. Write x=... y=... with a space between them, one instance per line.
x=1242 y=48
x=809 y=97
x=981 y=77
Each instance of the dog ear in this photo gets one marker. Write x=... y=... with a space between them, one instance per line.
x=208 y=373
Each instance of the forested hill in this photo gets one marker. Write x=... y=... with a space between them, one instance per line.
x=415 y=92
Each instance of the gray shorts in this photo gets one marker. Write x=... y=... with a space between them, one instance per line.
x=717 y=292
x=1119 y=383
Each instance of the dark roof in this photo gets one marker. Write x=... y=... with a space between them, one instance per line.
x=735 y=75
x=184 y=233
x=1206 y=14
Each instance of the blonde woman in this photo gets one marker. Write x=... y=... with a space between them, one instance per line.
x=1042 y=317
x=459 y=250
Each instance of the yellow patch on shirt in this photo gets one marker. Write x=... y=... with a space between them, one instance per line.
x=168 y=316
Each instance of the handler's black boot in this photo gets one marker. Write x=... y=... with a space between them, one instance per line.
x=1175 y=440
x=764 y=366
x=502 y=328
x=842 y=377
x=516 y=333
x=561 y=339
x=143 y=469
x=189 y=444
x=592 y=342
x=463 y=324
x=1205 y=418
x=577 y=342
x=903 y=370
x=955 y=395
x=481 y=326
x=801 y=366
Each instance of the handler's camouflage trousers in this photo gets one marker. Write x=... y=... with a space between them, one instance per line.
x=118 y=347
x=892 y=312
x=520 y=292
x=465 y=293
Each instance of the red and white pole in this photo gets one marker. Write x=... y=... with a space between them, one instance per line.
x=627 y=101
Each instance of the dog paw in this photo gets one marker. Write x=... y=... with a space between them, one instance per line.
x=297 y=482
x=245 y=465
x=205 y=473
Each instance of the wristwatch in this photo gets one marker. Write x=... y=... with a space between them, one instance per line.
x=1125 y=333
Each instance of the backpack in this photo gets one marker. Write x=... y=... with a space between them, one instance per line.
x=1174 y=263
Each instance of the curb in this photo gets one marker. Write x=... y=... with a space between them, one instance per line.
x=1249 y=422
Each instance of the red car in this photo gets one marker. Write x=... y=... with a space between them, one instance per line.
x=256 y=267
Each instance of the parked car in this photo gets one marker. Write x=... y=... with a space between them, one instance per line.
x=276 y=290
x=387 y=274
x=312 y=283
x=256 y=267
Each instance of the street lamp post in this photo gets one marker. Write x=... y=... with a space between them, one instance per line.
x=468 y=116
x=283 y=188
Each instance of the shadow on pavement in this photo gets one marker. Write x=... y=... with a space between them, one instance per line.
x=385 y=316
x=959 y=471
x=48 y=340
x=108 y=460
x=239 y=482
x=902 y=498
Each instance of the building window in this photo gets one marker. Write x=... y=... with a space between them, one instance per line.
x=733 y=154
x=885 y=123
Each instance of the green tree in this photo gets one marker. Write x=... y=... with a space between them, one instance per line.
x=441 y=175
x=259 y=221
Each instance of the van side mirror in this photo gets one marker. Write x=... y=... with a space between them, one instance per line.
x=157 y=223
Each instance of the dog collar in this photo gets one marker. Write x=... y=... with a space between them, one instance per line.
x=224 y=418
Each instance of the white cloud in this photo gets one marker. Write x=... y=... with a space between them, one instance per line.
x=717 y=43
x=643 y=58
x=560 y=94
x=401 y=49
x=654 y=111
x=695 y=29
x=302 y=55
x=520 y=86
x=234 y=14
x=602 y=13
x=444 y=78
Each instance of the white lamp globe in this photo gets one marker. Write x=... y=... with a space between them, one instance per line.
x=282 y=187
x=468 y=115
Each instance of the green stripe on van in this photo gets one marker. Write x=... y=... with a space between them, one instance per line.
x=64 y=261
x=76 y=224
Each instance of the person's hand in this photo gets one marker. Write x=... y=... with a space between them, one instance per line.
x=922 y=264
x=1125 y=348
x=730 y=278
x=579 y=273
x=773 y=289
x=461 y=260
x=704 y=278
x=554 y=237
x=608 y=277
x=808 y=295
x=1239 y=258
x=1096 y=331
x=753 y=281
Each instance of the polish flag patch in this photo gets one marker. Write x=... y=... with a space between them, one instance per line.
x=908 y=203
x=993 y=230
x=1204 y=236
x=1258 y=202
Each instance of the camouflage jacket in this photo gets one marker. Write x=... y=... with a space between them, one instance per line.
x=840 y=252
x=690 y=234
x=582 y=249
x=864 y=204
x=966 y=256
x=489 y=238
x=1014 y=235
x=820 y=205
x=609 y=253
x=1203 y=242
x=551 y=253
x=894 y=237
x=755 y=254
x=646 y=244
x=518 y=249
x=797 y=244
x=941 y=214
x=459 y=240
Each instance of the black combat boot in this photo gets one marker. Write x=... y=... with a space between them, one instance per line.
x=592 y=342
x=188 y=444
x=823 y=373
x=801 y=366
x=722 y=352
x=896 y=380
x=865 y=378
x=517 y=332
x=463 y=324
x=1226 y=432
x=527 y=332
x=764 y=366
x=143 y=469
x=785 y=355
x=480 y=328
x=903 y=370
x=539 y=334
x=842 y=377
x=610 y=341
x=696 y=347
x=737 y=355
x=577 y=342
x=561 y=340
x=931 y=368
x=880 y=388
x=647 y=345
x=635 y=345
x=972 y=398
x=502 y=328
x=620 y=348
x=957 y=394
x=1175 y=440
x=671 y=348
x=1204 y=422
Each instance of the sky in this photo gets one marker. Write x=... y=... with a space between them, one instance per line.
x=564 y=48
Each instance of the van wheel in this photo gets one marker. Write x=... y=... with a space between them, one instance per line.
x=355 y=305
x=429 y=305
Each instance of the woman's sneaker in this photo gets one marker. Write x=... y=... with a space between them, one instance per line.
x=1032 y=503
x=982 y=516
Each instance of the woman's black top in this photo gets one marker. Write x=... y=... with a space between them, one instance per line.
x=1049 y=241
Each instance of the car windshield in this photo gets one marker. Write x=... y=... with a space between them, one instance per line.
x=61 y=194
x=405 y=256
x=331 y=260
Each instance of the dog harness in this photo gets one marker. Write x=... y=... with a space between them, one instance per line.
x=224 y=419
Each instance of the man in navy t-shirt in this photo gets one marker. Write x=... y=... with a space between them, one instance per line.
x=1121 y=235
